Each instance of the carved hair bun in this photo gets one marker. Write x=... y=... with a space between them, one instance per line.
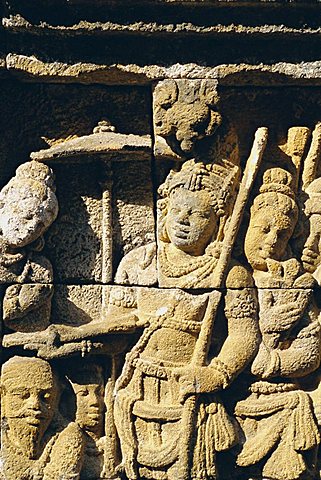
x=277 y=180
x=36 y=170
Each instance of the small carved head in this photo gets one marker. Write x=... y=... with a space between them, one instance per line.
x=195 y=199
x=184 y=112
x=88 y=384
x=30 y=396
x=274 y=215
x=311 y=257
x=28 y=204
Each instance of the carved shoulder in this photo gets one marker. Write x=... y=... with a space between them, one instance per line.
x=138 y=267
x=67 y=454
x=40 y=269
x=238 y=276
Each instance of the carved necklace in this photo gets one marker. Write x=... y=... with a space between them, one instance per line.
x=174 y=270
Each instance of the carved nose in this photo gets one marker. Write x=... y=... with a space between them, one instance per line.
x=34 y=403
x=272 y=239
x=183 y=217
x=312 y=242
x=93 y=401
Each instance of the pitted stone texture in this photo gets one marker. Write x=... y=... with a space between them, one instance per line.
x=28 y=205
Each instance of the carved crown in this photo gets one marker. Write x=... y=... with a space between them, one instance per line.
x=218 y=180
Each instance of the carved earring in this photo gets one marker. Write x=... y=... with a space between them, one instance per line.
x=162 y=232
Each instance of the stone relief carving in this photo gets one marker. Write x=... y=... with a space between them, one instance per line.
x=184 y=112
x=37 y=442
x=28 y=207
x=205 y=347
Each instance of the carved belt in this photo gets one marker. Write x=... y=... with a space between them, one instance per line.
x=153 y=369
x=158 y=412
x=182 y=325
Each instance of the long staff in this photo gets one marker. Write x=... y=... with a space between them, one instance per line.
x=204 y=339
x=312 y=158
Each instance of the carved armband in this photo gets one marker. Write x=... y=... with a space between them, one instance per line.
x=240 y=304
x=121 y=297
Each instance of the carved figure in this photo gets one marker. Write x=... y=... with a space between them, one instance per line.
x=281 y=435
x=168 y=413
x=196 y=203
x=37 y=444
x=194 y=206
x=165 y=431
x=185 y=112
x=153 y=411
x=88 y=384
x=28 y=206
x=311 y=256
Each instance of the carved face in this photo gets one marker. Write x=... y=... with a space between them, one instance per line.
x=90 y=405
x=19 y=222
x=267 y=236
x=29 y=395
x=311 y=256
x=191 y=221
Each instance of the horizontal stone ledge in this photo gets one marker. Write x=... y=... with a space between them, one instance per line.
x=17 y=23
x=30 y=68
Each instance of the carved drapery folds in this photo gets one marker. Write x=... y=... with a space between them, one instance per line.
x=177 y=336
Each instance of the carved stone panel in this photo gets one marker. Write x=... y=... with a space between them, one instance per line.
x=160 y=260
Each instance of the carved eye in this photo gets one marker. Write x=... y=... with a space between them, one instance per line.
x=174 y=210
x=45 y=396
x=266 y=229
x=24 y=395
x=83 y=392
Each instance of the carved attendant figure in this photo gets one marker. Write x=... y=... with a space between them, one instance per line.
x=88 y=384
x=28 y=206
x=194 y=206
x=37 y=444
x=281 y=434
x=311 y=256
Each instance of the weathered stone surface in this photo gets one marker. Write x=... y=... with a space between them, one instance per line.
x=105 y=144
x=164 y=324
x=279 y=73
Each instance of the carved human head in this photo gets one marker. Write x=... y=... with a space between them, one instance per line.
x=274 y=215
x=185 y=111
x=28 y=204
x=194 y=201
x=88 y=384
x=30 y=395
x=311 y=256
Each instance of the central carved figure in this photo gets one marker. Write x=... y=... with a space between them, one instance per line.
x=167 y=430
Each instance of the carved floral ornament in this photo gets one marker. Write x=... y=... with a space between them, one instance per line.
x=203 y=360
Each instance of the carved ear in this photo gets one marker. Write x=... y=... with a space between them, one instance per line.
x=162 y=231
x=166 y=93
x=38 y=244
x=208 y=93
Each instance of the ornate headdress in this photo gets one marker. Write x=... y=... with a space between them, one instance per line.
x=219 y=180
x=276 y=192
